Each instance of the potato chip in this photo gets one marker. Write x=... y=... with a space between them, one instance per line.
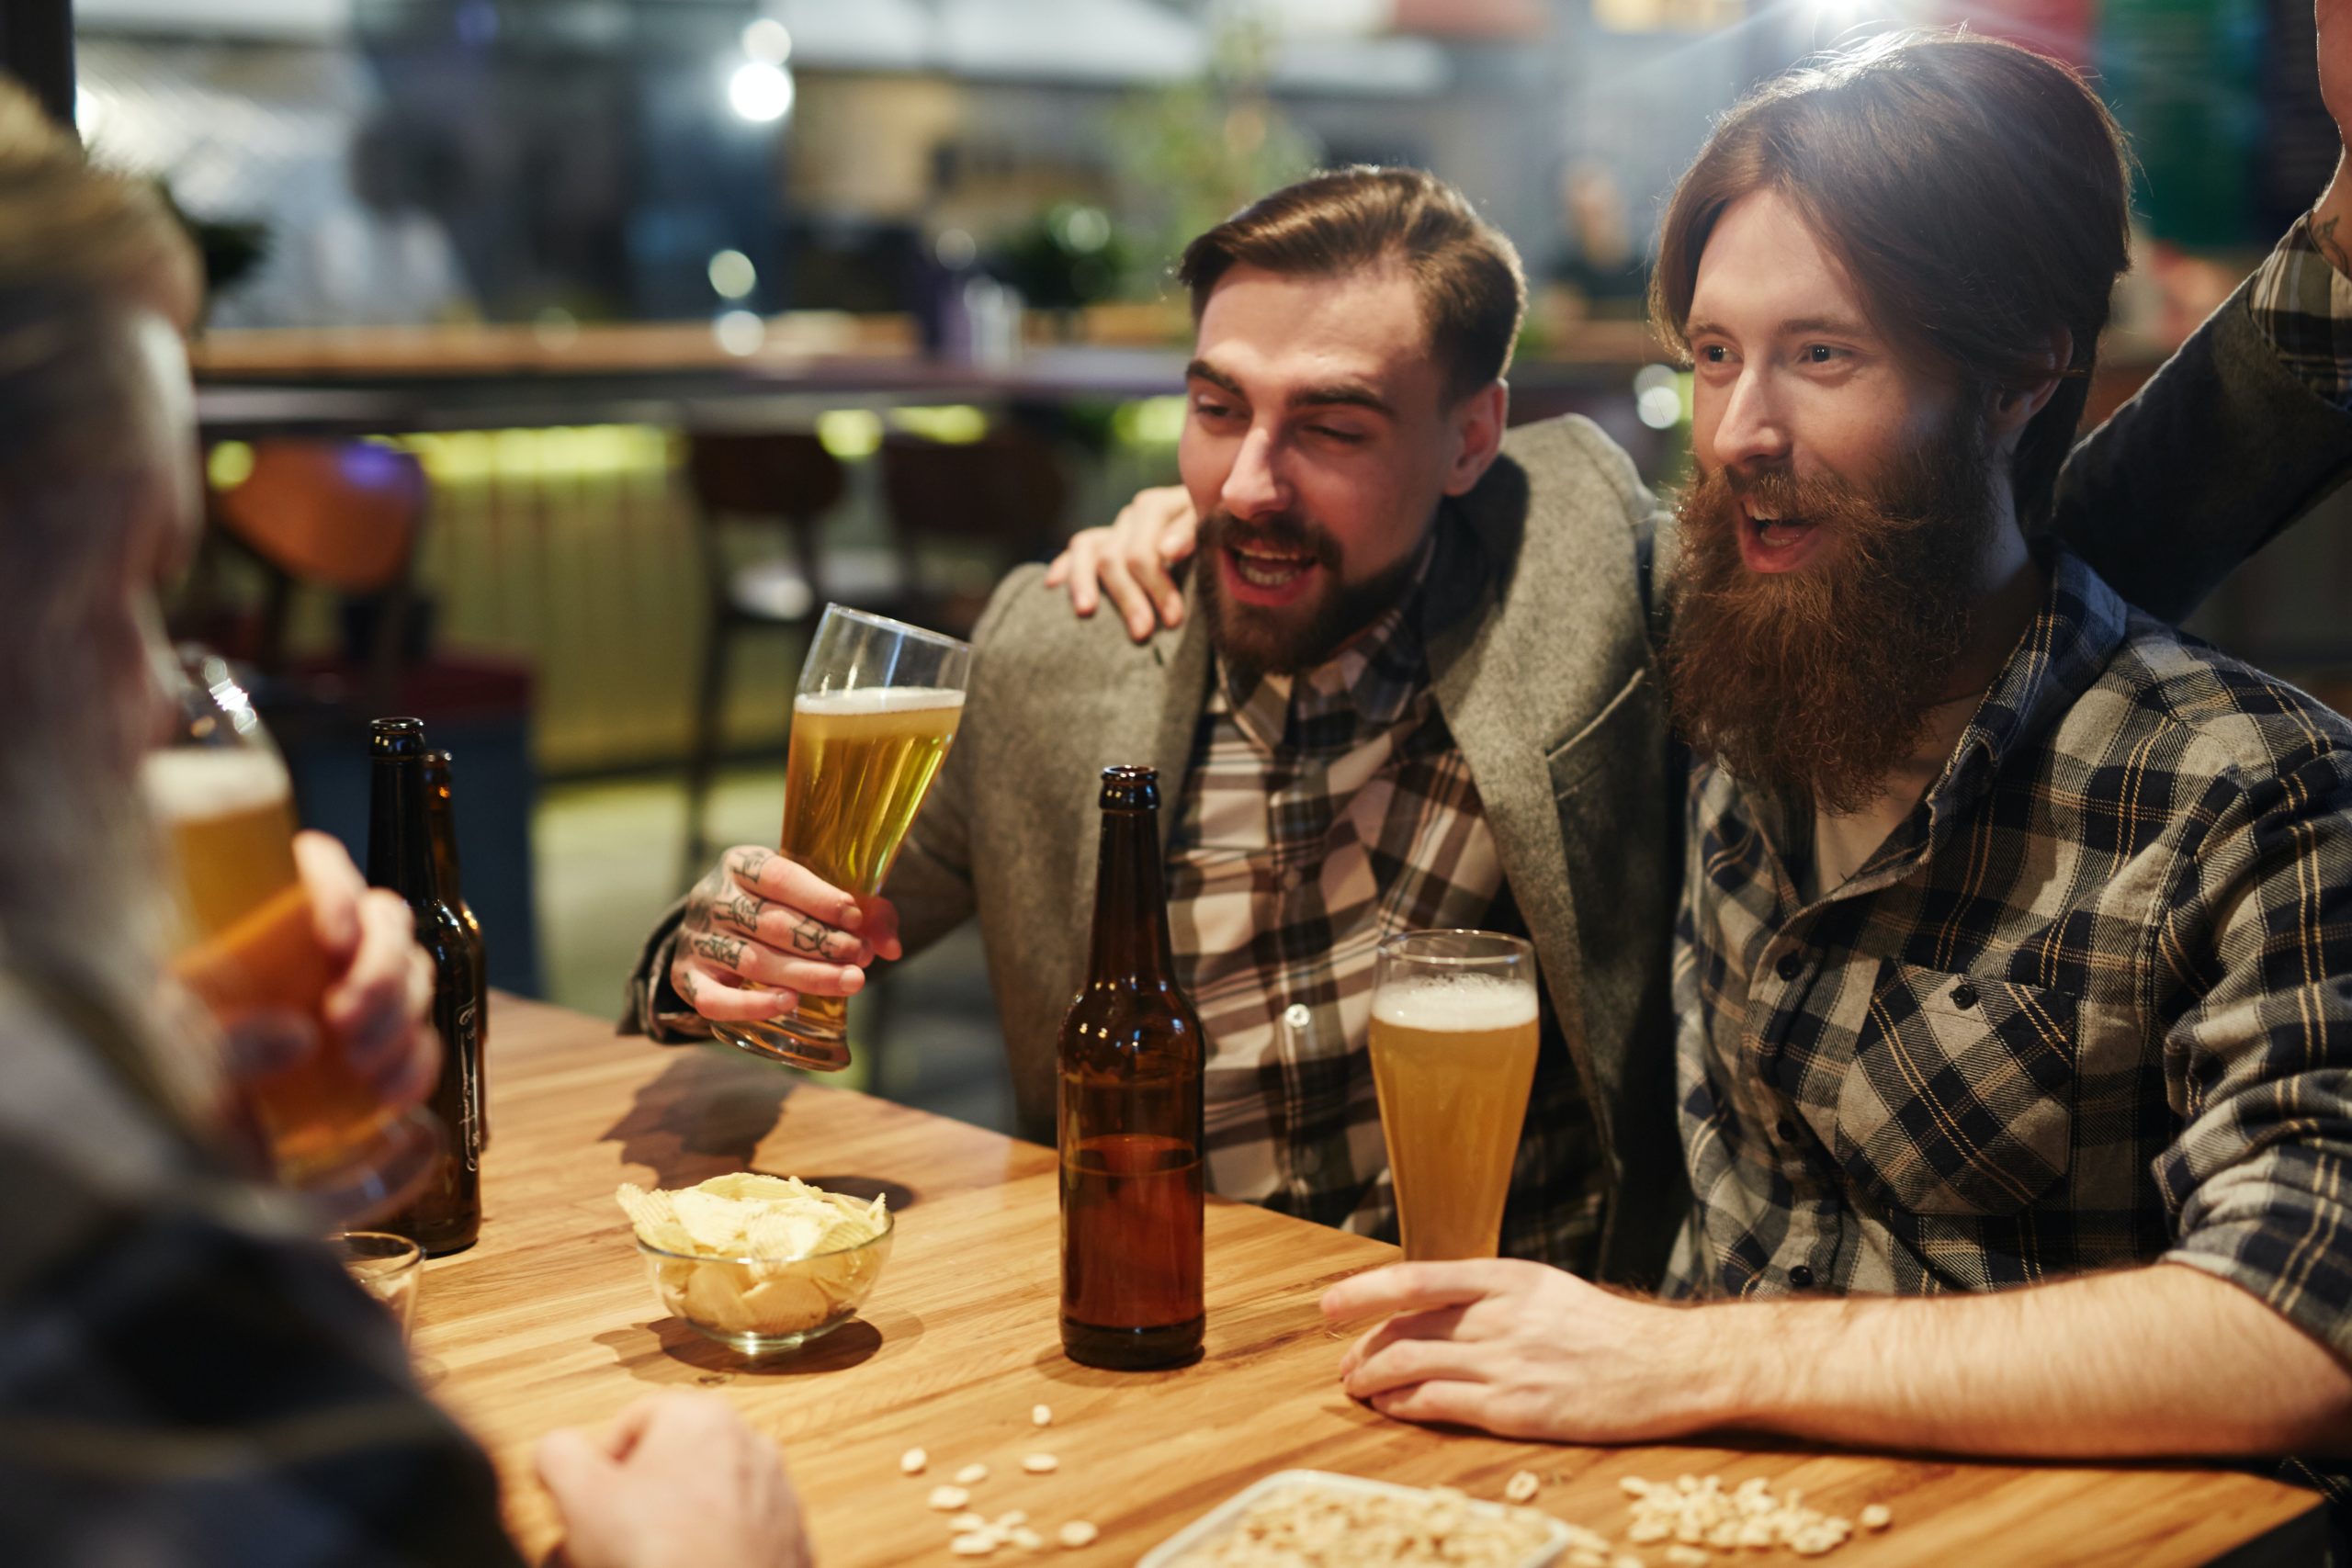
x=801 y=1250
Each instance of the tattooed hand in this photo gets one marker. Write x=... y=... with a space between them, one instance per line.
x=2332 y=219
x=763 y=930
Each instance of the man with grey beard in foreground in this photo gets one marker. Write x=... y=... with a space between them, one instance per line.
x=187 y=1375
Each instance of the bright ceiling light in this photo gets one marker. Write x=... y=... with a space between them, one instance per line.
x=733 y=275
x=759 y=92
x=767 y=40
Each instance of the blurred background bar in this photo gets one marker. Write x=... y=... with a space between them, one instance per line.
x=564 y=356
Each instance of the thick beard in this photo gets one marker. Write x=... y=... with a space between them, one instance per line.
x=1819 y=680
x=1299 y=637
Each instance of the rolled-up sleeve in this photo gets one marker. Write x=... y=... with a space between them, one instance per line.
x=2254 y=966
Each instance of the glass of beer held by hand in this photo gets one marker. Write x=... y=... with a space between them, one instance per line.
x=877 y=709
x=1453 y=1040
x=245 y=944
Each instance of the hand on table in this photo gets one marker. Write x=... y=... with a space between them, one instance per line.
x=1130 y=559
x=678 y=1482
x=1524 y=1350
x=762 y=919
x=375 y=1010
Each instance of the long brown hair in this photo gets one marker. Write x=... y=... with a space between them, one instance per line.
x=1975 y=191
x=1473 y=290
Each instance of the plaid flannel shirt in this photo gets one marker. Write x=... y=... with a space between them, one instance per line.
x=185 y=1377
x=2304 y=306
x=1322 y=815
x=2090 y=1006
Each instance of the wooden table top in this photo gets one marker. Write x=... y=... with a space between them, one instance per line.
x=550 y=1321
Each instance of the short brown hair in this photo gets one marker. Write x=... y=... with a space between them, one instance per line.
x=1975 y=191
x=1472 y=289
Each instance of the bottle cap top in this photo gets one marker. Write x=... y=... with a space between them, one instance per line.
x=1130 y=789
x=396 y=738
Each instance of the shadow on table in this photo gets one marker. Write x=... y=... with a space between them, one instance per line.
x=703 y=1116
x=706 y=1115
x=667 y=1353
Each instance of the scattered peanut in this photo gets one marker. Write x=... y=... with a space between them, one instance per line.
x=949 y=1499
x=971 y=1475
x=965 y=1524
x=912 y=1462
x=1877 y=1517
x=1011 y=1518
x=1077 y=1533
x=1041 y=1415
x=1027 y=1539
x=1522 y=1487
x=1040 y=1464
x=1694 y=1513
x=973 y=1545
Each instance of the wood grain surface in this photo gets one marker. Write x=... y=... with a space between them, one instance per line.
x=550 y=1321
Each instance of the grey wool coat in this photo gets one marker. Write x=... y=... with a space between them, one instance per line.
x=1542 y=663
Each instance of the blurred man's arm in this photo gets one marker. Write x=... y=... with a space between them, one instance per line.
x=2245 y=429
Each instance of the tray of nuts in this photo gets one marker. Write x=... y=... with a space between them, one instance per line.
x=1312 y=1518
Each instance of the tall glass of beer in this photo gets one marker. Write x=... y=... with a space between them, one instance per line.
x=1453 y=1040
x=245 y=944
x=877 y=709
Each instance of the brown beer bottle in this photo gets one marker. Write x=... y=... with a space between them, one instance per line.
x=441 y=811
x=1130 y=1113
x=447 y=1214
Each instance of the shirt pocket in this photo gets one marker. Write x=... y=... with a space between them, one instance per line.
x=1961 y=1100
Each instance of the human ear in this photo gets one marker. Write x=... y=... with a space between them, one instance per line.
x=2013 y=408
x=1478 y=422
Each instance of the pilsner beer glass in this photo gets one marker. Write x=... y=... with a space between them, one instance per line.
x=878 y=706
x=1454 y=1039
x=245 y=944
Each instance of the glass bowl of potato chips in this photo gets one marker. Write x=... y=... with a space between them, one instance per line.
x=762 y=1264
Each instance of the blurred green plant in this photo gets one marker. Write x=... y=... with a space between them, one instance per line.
x=1067 y=256
x=1191 y=154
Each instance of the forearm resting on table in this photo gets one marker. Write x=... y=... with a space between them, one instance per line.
x=2158 y=1361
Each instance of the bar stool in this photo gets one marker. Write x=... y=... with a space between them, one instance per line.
x=779 y=480
x=992 y=503
x=340 y=517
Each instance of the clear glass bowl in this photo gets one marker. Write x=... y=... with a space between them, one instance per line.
x=759 y=1308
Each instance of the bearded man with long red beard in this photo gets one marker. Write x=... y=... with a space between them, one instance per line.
x=2013 y=976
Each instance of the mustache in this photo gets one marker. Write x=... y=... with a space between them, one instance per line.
x=1289 y=532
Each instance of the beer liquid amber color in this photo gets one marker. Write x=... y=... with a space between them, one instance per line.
x=1130 y=1114
x=855 y=772
x=441 y=812
x=248 y=940
x=1452 y=1062
x=446 y=1215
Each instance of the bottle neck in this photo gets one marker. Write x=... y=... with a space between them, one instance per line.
x=444 y=841
x=1130 y=903
x=400 y=839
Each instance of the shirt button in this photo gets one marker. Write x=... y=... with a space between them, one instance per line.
x=1790 y=967
x=1310 y=1161
x=1963 y=995
x=1787 y=1131
x=1800 y=1278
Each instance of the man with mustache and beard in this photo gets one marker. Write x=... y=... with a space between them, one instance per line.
x=1418 y=690
x=2013 y=974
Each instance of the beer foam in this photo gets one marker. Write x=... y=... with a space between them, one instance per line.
x=194 y=784
x=878 y=699
x=1455 y=1002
